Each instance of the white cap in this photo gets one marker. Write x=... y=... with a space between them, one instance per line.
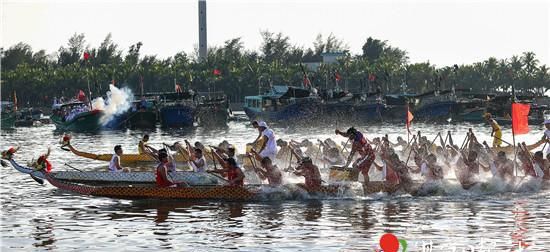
x=262 y=124
x=547 y=121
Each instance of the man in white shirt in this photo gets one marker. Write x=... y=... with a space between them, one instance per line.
x=269 y=146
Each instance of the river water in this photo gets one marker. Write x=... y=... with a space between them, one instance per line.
x=36 y=217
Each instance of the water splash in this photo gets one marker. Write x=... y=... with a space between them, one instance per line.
x=118 y=101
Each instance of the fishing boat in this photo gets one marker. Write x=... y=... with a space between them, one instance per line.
x=212 y=109
x=126 y=159
x=456 y=105
x=177 y=109
x=7 y=115
x=284 y=104
x=143 y=114
x=76 y=116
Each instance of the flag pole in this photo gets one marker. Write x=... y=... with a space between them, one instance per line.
x=513 y=133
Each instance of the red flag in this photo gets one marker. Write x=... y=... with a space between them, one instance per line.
x=337 y=76
x=81 y=96
x=306 y=81
x=178 y=88
x=410 y=117
x=520 y=120
x=86 y=55
x=372 y=77
x=14 y=100
x=217 y=72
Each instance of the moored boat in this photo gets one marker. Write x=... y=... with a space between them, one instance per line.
x=143 y=114
x=177 y=109
x=76 y=116
x=284 y=104
x=212 y=109
x=7 y=115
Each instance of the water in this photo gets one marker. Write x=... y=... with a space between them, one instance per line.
x=38 y=217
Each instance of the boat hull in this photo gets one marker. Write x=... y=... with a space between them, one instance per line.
x=84 y=122
x=174 y=116
x=300 y=111
x=125 y=159
x=142 y=119
x=7 y=121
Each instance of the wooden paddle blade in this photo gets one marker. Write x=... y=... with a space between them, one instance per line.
x=3 y=163
x=38 y=180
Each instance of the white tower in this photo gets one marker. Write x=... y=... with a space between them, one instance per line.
x=202 y=29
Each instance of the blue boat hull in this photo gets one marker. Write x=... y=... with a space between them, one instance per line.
x=177 y=116
x=436 y=111
x=299 y=111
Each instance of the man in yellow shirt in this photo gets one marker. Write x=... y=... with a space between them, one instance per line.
x=496 y=132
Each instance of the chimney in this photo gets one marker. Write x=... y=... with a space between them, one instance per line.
x=202 y=30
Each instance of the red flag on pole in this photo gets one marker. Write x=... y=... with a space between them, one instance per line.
x=337 y=76
x=372 y=77
x=86 y=55
x=14 y=100
x=178 y=88
x=217 y=72
x=410 y=117
x=520 y=120
x=81 y=96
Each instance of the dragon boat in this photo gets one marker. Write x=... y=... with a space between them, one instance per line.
x=126 y=159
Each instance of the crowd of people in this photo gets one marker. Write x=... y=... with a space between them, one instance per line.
x=429 y=162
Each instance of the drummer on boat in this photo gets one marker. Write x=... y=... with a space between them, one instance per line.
x=114 y=165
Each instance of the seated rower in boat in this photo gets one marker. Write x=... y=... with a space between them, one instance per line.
x=268 y=170
x=547 y=167
x=142 y=145
x=231 y=169
x=161 y=175
x=331 y=156
x=311 y=174
x=284 y=149
x=197 y=161
x=502 y=167
x=531 y=166
x=114 y=164
x=468 y=172
x=363 y=148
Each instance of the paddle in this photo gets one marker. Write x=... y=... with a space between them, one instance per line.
x=72 y=167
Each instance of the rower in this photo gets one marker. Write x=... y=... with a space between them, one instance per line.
x=284 y=149
x=269 y=146
x=430 y=170
x=530 y=166
x=197 y=161
x=388 y=172
x=143 y=145
x=235 y=175
x=496 y=132
x=469 y=175
x=539 y=164
x=359 y=145
x=502 y=167
x=114 y=165
x=270 y=171
x=161 y=176
x=311 y=174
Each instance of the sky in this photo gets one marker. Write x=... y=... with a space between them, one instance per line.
x=444 y=32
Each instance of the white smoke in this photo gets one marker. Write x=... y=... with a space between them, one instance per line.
x=118 y=101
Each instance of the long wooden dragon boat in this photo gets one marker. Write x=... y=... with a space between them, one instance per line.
x=125 y=159
x=140 y=177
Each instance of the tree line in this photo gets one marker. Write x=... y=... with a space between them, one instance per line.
x=38 y=77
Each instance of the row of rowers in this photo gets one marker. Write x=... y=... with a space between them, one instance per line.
x=431 y=160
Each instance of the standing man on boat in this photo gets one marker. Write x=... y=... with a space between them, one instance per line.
x=496 y=131
x=269 y=144
x=359 y=145
x=114 y=165
x=547 y=136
